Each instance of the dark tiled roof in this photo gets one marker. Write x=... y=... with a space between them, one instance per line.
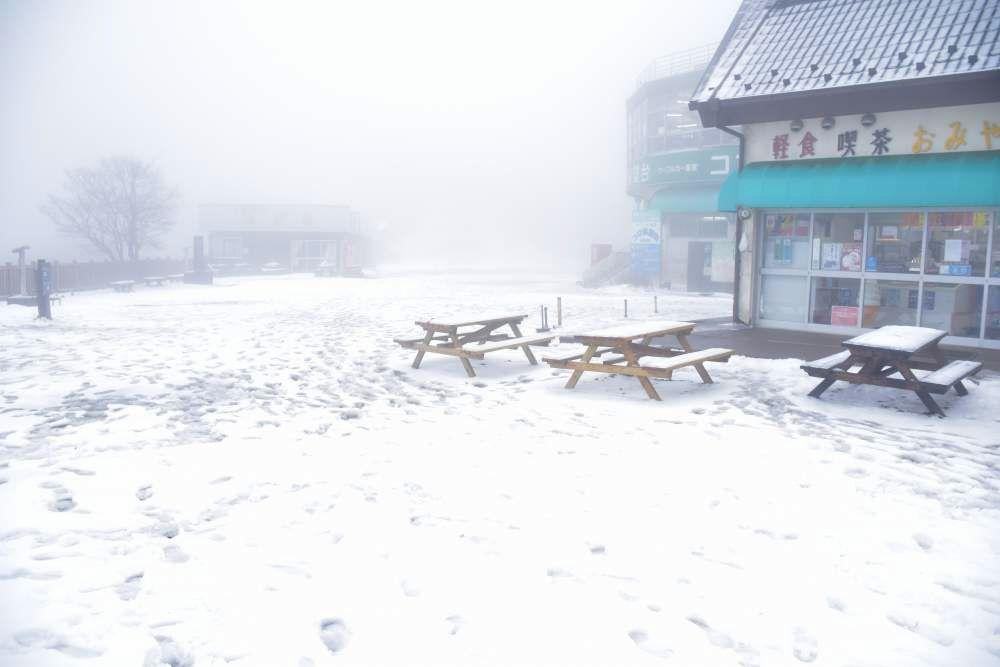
x=786 y=46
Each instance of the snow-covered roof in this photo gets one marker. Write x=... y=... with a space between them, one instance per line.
x=787 y=46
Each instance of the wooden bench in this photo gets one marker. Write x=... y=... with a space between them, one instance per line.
x=888 y=357
x=122 y=285
x=560 y=361
x=453 y=337
x=951 y=375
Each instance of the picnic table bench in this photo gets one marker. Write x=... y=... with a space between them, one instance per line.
x=895 y=351
x=122 y=285
x=629 y=343
x=155 y=280
x=471 y=338
x=175 y=278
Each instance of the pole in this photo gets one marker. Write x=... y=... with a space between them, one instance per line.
x=43 y=278
x=626 y=309
x=656 y=308
x=559 y=311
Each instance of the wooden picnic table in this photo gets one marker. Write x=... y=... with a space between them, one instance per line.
x=471 y=337
x=895 y=351
x=631 y=342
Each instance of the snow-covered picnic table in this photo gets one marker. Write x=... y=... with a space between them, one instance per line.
x=895 y=350
x=471 y=336
x=630 y=342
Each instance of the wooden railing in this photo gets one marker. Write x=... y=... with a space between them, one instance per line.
x=79 y=276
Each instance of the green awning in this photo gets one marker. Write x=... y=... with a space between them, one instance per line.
x=685 y=200
x=956 y=179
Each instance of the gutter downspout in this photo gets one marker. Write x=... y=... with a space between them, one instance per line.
x=739 y=226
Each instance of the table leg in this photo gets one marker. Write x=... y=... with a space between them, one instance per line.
x=825 y=384
x=960 y=389
x=465 y=360
x=924 y=396
x=527 y=348
x=632 y=360
x=420 y=353
x=575 y=377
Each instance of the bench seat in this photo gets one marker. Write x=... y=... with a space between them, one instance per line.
x=827 y=363
x=944 y=378
x=573 y=356
x=688 y=359
x=478 y=350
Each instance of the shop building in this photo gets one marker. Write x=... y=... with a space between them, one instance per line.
x=244 y=237
x=675 y=170
x=870 y=183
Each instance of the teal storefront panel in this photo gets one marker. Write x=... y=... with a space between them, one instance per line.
x=940 y=180
x=685 y=200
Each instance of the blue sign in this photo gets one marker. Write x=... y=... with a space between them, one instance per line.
x=645 y=262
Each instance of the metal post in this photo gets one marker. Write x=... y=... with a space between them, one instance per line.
x=22 y=270
x=43 y=279
x=626 y=309
x=559 y=311
x=656 y=307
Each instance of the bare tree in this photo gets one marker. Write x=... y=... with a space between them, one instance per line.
x=120 y=207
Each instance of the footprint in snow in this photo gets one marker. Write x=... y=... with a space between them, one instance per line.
x=129 y=589
x=144 y=492
x=651 y=646
x=334 y=634
x=456 y=622
x=804 y=646
x=62 y=501
x=168 y=652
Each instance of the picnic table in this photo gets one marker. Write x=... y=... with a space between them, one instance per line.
x=155 y=280
x=895 y=351
x=471 y=338
x=628 y=343
x=122 y=285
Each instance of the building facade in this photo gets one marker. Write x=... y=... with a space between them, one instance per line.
x=870 y=188
x=289 y=237
x=675 y=169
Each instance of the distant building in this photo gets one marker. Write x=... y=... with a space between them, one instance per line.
x=870 y=187
x=675 y=171
x=293 y=237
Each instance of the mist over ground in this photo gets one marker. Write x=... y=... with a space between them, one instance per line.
x=474 y=132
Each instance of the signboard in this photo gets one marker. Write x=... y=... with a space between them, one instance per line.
x=710 y=165
x=645 y=256
x=974 y=127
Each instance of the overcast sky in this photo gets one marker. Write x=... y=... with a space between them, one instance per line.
x=496 y=129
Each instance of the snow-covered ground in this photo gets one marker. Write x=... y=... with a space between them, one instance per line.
x=251 y=473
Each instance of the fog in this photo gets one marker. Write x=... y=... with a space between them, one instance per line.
x=470 y=131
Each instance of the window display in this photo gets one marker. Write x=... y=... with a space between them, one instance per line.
x=890 y=302
x=782 y=298
x=953 y=308
x=837 y=241
x=956 y=243
x=894 y=242
x=835 y=301
x=786 y=241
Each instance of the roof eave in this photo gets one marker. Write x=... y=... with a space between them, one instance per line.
x=927 y=92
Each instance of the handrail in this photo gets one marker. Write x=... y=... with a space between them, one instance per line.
x=680 y=62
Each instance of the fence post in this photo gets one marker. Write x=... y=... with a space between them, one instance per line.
x=656 y=308
x=559 y=312
x=626 y=309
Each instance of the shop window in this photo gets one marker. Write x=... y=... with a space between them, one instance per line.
x=894 y=242
x=835 y=301
x=954 y=308
x=956 y=243
x=714 y=226
x=993 y=312
x=782 y=298
x=786 y=241
x=837 y=241
x=889 y=302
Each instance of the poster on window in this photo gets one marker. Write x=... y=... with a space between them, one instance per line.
x=844 y=316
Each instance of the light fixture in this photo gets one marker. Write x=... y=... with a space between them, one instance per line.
x=828 y=122
x=868 y=119
x=797 y=125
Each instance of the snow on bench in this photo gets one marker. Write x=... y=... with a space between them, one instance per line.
x=573 y=356
x=478 y=350
x=953 y=373
x=688 y=359
x=827 y=363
